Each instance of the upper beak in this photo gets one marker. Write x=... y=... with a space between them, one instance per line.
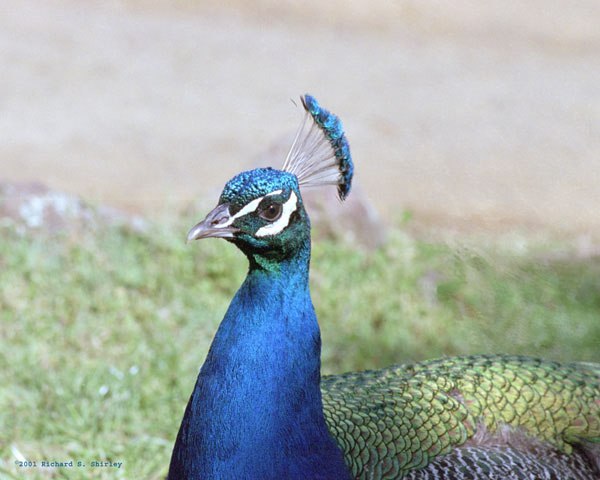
x=216 y=224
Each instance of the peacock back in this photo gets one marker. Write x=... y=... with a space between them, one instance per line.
x=504 y=417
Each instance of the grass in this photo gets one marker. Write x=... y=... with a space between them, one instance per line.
x=102 y=334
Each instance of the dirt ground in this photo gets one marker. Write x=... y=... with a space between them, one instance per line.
x=464 y=113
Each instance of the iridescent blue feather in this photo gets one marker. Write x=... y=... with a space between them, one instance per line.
x=320 y=154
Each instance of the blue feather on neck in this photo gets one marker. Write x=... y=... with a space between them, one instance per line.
x=256 y=409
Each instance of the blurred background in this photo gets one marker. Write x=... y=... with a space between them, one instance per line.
x=466 y=114
x=473 y=225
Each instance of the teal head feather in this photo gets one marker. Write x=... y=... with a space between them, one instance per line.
x=320 y=153
x=333 y=130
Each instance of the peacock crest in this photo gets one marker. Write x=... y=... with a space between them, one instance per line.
x=320 y=154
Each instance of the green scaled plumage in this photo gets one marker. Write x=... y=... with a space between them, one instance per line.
x=404 y=418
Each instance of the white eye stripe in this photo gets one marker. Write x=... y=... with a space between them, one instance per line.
x=275 y=192
x=289 y=207
x=248 y=208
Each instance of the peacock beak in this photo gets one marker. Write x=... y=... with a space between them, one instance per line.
x=217 y=224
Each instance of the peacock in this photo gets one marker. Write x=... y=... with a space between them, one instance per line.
x=261 y=410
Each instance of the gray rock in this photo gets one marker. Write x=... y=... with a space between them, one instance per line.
x=34 y=207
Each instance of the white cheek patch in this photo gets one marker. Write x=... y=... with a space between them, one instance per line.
x=248 y=208
x=289 y=207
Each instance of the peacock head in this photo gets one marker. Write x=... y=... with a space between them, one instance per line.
x=261 y=210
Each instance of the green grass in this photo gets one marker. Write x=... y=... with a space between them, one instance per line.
x=102 y=334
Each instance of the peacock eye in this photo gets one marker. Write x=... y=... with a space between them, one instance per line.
x=272 y=212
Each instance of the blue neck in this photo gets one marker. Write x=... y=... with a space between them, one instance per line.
x=256 y=410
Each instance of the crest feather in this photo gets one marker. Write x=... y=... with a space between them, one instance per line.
x=320 y=154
